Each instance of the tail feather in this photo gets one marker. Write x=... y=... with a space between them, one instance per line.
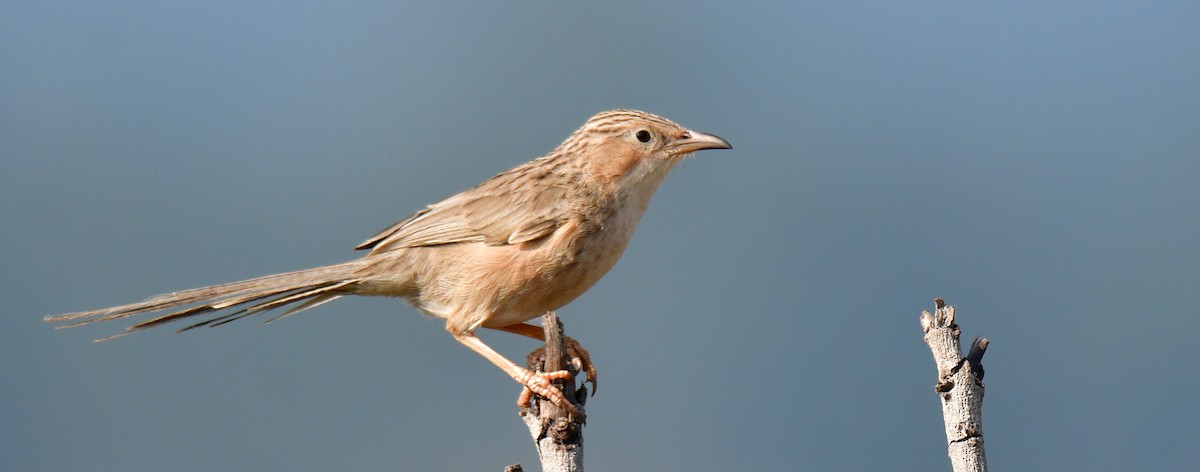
x=312 y=287
x=313 y=297
x=308 y=294
x=310 y=303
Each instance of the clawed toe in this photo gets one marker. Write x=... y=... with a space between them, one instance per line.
x=582 y=361
x=541 y=384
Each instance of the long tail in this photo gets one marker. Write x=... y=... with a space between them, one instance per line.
x=308 y=288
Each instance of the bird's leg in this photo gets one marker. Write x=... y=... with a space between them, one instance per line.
x=537 y=382
x=579 y=356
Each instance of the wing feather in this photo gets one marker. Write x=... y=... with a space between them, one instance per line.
x=497 y=212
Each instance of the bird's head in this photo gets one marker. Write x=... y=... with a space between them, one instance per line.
x=626 y=146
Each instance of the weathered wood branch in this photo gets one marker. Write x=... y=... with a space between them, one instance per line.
x=557 y=435
x=959 y=387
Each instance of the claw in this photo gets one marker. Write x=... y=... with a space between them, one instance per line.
x=539 y=383
x=582 y=361
x=524 y=399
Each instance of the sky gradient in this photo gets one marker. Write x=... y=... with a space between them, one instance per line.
x=1035 y=164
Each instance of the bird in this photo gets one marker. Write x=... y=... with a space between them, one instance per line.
x=525 y=242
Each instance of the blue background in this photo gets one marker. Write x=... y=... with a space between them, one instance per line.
x=1037 y=164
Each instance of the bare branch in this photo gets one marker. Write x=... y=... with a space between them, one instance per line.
x=959 y=387
x=557 y=434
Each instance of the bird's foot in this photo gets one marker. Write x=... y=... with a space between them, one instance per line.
x=580 y=360
x=541 y=384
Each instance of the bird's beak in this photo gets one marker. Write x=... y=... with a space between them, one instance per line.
x=696 y=141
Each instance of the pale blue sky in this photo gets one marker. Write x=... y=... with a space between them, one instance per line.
x=1037 y=164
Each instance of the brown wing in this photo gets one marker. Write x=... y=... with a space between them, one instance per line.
x=498 y=211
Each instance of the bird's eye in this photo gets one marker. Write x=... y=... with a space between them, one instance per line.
x=643 y=136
